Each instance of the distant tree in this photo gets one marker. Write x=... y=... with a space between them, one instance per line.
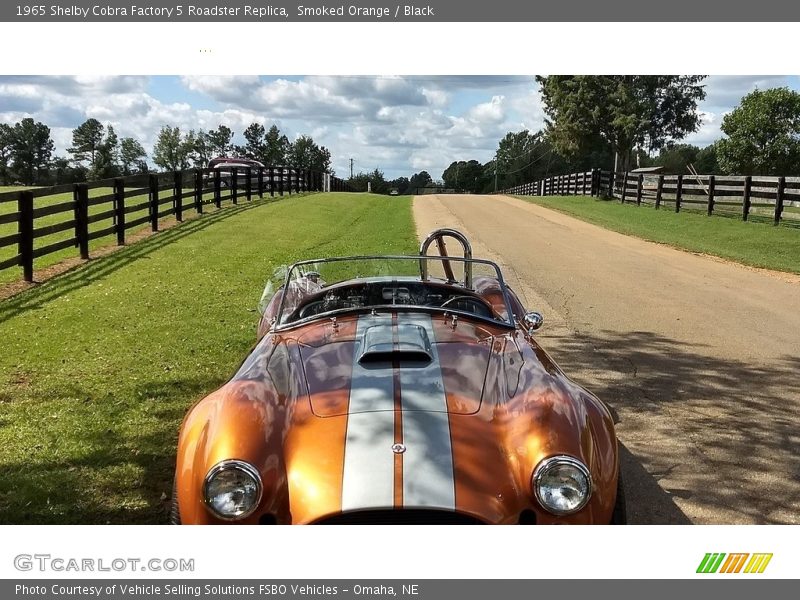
x=763 y=134
x=256 y=146
x=63 y=170
x=675 y=158
x=219 y=140
x=464 y=175
x=86 y=139
x=201 y=151
x=277 y=147
x=304 y=153
x=622 y=111
x=172 y=152
x=378 y=181
x=132 y=156
x=31 y=149
x=418 y=180
x=706 y=161
x=106 y=158
x=6 y=148
x=400 y=184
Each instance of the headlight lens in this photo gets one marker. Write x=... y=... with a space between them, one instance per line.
x=232 y=489
x=562 y=484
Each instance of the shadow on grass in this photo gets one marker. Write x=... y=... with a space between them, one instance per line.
x=721 y=434
x=93 y=270
x=122 y=479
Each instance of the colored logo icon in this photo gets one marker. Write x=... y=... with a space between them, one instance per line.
x=719 y=562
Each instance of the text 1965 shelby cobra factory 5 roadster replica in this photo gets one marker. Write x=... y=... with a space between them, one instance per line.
x=397 y=389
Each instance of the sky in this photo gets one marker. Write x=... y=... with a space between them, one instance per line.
x=399 y=124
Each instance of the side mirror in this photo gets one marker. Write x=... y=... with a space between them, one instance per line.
x=533 y=321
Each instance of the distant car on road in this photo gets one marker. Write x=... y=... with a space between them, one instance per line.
x=394 y=192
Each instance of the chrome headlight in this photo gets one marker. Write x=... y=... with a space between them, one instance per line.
x=232 y=490
x=562 y=484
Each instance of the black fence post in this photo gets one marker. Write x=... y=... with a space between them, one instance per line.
x=711 y=189
x=177 y=198
x=271 y=176
x=154 y=202
x=198 y=191
x=611 y=178
x=678 y=193
x=217 y=188
x=639 y=189
x=119 y=209
x=624 y=186
x=235 y=185
x=659 y=190
x=748 y=186
x=260 y=182
x=25 y=229
x=280 y=180
x=81 y=195
x=248 y=190
x=779 y=199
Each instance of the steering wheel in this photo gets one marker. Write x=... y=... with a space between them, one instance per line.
x=482 y=308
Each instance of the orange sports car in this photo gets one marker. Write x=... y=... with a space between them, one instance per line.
x=397 y=389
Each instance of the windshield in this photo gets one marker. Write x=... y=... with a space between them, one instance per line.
x=323 y=288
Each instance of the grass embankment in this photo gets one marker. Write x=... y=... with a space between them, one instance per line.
x=754 y=244
x=99 y=365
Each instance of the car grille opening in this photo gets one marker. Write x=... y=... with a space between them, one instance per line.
x=408 y=516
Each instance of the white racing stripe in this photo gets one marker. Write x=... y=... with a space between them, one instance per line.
x=368 y=478
x=428 y=479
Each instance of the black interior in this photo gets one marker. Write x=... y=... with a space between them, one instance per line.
x=387 y=293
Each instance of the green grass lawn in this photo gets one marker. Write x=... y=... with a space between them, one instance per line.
x=7 y=252
x=755 y=244
x=99 y=365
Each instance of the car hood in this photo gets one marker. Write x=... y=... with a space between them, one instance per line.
x=408 y=362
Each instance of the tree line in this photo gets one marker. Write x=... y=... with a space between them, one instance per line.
x=625 y=122
x=27 y=151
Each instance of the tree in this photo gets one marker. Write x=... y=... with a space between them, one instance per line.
x=418 y=180
x=63 y=170
x=172 y=152
x=31 y=149
x=219 y=140
x=132 y=156
x=86 y=139
x=763 y=134
x=400 y=184
x=621 y=111
x=305 y=154
x=706 y=161
x=675 y=158
x=201 y=151
x=106 y=157
x=256 y=146
x=6 y=147
x=277 y=147
x=465 y=175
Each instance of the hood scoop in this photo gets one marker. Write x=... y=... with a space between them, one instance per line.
x=379 y=345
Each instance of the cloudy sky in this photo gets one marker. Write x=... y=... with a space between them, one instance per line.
x=400 y=124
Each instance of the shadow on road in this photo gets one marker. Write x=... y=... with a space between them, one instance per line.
x=719 y=437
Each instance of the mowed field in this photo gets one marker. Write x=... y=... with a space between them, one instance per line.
x=99 y=365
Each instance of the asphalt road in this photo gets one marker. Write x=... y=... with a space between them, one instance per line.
x=698 y=357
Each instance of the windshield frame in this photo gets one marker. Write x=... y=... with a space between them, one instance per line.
x=509 y=324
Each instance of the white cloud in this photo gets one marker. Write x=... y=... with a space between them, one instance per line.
x=399 y=124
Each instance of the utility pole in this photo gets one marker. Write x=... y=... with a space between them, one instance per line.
x=351 y=168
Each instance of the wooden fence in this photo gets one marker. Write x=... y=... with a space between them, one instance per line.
x=775 y=199
x=111 y=207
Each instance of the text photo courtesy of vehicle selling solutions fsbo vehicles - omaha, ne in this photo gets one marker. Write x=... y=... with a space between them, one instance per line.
x=402 y=299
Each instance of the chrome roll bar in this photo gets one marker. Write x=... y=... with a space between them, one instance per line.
x=438 y=236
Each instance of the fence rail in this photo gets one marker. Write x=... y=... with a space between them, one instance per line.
x=746 y=197
x=112 y=207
